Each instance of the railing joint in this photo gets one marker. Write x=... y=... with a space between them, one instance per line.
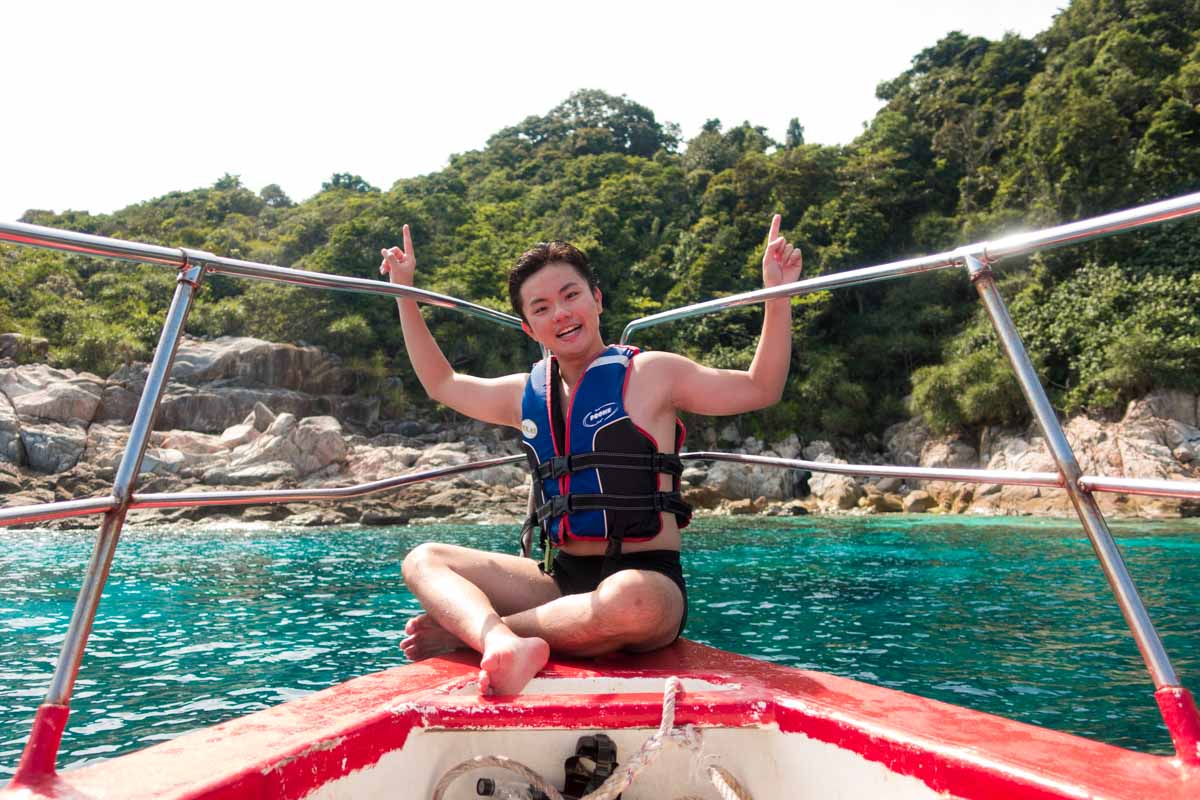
x=195 y=265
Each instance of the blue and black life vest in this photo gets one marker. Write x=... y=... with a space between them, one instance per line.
x=595 y=471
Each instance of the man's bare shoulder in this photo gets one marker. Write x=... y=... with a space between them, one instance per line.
x=664 y=362
x=656 y=372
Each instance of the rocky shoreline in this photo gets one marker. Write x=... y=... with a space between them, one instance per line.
x=242 y=413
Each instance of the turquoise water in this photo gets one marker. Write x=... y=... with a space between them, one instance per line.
x=1009 y=616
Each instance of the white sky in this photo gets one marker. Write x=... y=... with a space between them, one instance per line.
x=112 y=103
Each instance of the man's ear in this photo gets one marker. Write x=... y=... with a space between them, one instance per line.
x=525 y=327
x=599 y=300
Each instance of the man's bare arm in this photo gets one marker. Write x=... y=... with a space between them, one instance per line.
x=495 y=400
x=704 y=390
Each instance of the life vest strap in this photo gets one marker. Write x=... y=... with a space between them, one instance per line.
x=670 y=502
x=558 y=466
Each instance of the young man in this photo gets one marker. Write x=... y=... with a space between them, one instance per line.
x=616 y=582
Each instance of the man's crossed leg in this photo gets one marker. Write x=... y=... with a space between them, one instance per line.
x=513 y=614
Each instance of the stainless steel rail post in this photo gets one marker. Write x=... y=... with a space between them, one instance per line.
x=38 y=759
x=1130 y=602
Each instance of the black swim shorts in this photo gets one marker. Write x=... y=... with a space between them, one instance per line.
x=582 y=574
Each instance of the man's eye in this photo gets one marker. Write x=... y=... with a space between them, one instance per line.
x=572 y=295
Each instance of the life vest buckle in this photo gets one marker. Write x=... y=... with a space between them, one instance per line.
x=554 y=467
x=557 y=506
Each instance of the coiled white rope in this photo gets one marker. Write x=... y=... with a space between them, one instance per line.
x=688 y=737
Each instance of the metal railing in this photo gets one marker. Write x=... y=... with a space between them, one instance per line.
x=1175 y=702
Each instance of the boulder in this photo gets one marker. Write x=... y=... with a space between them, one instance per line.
x=702 y=497
x=306 y=446
x=249 y=362
x=122 y=393
x=444 y=454
x=42 y=393
x=880 y=503
x=192 y=442
x=12 y=450
x=369 y=463
x=833 y=492
x=259 y=418
x=788 y=448
x=506 y=475
x=105 y=444
x=52 y=446
x=733 y=480
x=918 y=502
x=320 y=442
x=729 y=434
x=745 y=506
x=889 y=484
x=213 y=408
x=1170 y=404
x=238 y=435
x=906 y=440
x=22 y=348
x=251 y=474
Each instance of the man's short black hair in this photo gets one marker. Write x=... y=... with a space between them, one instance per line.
x=540 y=255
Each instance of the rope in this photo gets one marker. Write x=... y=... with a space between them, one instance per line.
x=688 y=737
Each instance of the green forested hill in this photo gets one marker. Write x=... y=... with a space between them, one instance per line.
x=1099 y=112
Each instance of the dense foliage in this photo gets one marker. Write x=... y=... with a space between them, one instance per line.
x=1099 y=112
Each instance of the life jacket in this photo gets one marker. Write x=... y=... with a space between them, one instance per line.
x=595 y=471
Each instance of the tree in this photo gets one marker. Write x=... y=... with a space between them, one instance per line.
x=795 y=134
x=347 y=182
x=275 y=197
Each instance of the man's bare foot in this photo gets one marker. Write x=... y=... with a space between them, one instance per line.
x=426 y=638
x=511 y=663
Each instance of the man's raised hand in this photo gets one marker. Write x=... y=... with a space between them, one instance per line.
x=782 y=262
x=398 y=264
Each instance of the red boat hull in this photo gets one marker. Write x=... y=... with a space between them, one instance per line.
x=305 y=747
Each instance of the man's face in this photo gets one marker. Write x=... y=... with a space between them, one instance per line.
x=561 y=313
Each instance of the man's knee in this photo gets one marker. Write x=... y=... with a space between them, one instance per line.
x=421 y=558
x=641 y=606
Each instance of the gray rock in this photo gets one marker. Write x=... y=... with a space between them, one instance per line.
x=918 y=502
x=889 y=484
x=694 y=474
x=259 y=418
x=238 y=435
x=306 y=446
x=788 y=448
x=736 y=481
x=1170 y=404
x=41 y=393
x=729 y=434
x=819 y=450
x=12 y=450
x=20 y=347
x=282 y=425
x=269 y=472
x=249 y=362
x=905 y=441
x=52 y=446
x=213 y=408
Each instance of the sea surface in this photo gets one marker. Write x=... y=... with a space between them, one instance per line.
x=1008 y=616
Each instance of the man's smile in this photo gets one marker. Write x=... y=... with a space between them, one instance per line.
x=567 y=331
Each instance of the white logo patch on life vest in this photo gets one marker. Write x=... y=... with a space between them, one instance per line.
x=529 y=428
x=598 y=415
